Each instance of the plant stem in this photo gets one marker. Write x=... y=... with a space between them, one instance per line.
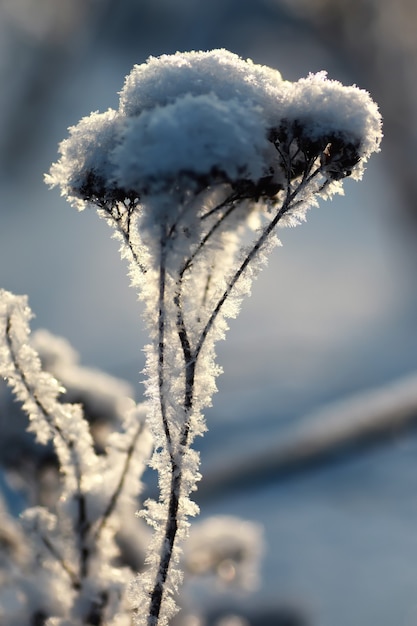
x=82 y=524
x=190 y=359
x=171 y=527
x=286 y=206
x=112 y=503
x=161 y=345
x=167 y=546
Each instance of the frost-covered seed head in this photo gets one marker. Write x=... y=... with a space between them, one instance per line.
x=194 y=120
x=338 y=153
x=199 y=140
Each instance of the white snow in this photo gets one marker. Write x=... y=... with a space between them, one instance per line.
x=198 y=115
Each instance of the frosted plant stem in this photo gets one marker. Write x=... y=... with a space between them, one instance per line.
x=171 y=527
x=190 y=365
x=127 y=238
x=190 y=361
x=31 y=392
x=120 y=485
x=82 y=521
x=57 y=556
x=212 y=230
x=167 y=546
x=230 y=200
x=186 y=266
x=172 y=523
x=286 y=206
x=121 y=222
x=82 y=528
x=161 y=346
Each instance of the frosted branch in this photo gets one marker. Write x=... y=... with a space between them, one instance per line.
x=113 y=500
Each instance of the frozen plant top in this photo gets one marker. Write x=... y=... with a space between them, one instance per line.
x=191 y=120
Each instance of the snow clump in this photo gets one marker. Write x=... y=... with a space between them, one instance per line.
x=192 y=120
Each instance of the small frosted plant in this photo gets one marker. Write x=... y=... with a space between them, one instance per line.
x=70 y=570
x=205 y=157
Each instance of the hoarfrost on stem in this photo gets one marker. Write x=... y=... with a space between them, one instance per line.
x=204 y=148
x=75 y=540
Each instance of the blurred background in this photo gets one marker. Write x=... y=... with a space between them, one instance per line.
x=330 y=331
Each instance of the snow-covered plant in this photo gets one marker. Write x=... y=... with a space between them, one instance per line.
x=204 y=149
x=79 y=581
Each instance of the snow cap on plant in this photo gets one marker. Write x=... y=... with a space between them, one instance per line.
x=190 y=120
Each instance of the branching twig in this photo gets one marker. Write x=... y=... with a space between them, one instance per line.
x=161 y=345
x=204 y=240
x=81 y=527
x=75 y=581
x=121 y=221
x=286 y=206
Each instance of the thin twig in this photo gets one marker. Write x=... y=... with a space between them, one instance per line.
x=122 y=221
x=190 y=356
x=82 y=522
x=286 y=206
x=206 y=237
x=230 y=199
x=112 y=503
x=167 y=547
x=161 y=344
x=75 y=581
x=171 y=527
